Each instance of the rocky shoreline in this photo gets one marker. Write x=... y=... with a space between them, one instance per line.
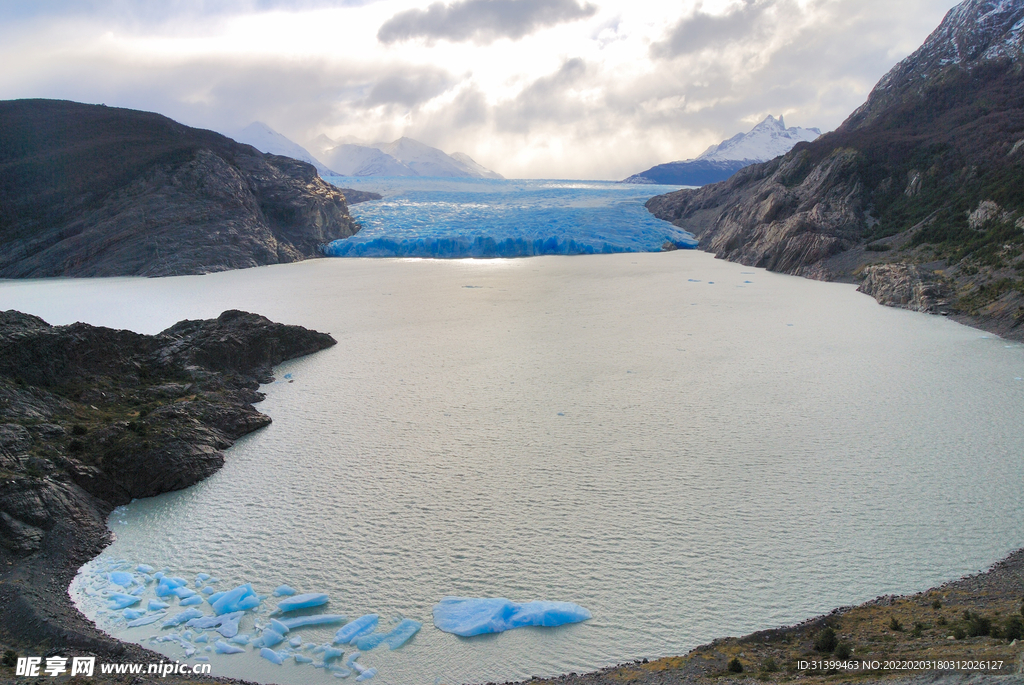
x=91 y=418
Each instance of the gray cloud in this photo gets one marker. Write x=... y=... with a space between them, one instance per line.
x=546 y=100
x=481 y=21
x=700 y=30
x=409 y=89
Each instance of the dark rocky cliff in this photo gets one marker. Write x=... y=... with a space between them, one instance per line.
x=88 y=190
x=920 y=190
x=91 y=418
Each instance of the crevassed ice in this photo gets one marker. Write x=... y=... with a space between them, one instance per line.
x=456 y=218
x=468 y=616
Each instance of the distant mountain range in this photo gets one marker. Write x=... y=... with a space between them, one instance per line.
x=352 y=157
x=766 y=141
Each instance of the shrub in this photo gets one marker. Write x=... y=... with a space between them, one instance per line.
x=826 y=641
x=941 y=620
x=1013 y=629
x=79 y=430
x=76 y=446
x=918 y=629
x=979 y=626
x=895 y=625
x=770 y=665
x=735 y=666
x=10 y=658
x=959 y=633
x=936 y=604
x=842 y=651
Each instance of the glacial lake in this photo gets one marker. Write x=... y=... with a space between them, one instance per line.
x=688 y=448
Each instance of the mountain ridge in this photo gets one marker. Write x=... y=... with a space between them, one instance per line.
x=918 y=195
x=766 y=140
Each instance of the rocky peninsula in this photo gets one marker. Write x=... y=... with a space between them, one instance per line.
x=91 y=418
x=89 y=190
x=916 y=196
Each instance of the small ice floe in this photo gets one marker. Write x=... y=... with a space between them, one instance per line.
x=120 y=600
x=122 y=578
x=321 y=619
x=145 y=568
x=191 y=601
x=272 y=656
x=222 y=647
x=146 y=620
x=467 y=616
x=182 y=617
x=226 y=625
x=305 y=601
x=353 y=629
x=132 y=614
x=283 y=591
x=240 y=598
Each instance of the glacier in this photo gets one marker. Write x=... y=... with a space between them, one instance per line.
x=468 y=616
x=489 y=218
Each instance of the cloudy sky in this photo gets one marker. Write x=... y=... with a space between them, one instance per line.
x=530 y=88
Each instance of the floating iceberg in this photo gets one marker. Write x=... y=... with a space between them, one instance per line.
x=132 y=614
x=156 y=605
x=145 y=568
x=283 y=590
x=146 y=620
x=367 y=674
x=475 y=616
x=240 y=598
x=191 y=601
x=272 y=656
x=321 y=619
x=353 y=629
x=310 y=599
x=119 y=600
x=401 y=633
x=271 y=637
x=122 y=578
x=182 y=617
x=222 y=647
x=226 y=625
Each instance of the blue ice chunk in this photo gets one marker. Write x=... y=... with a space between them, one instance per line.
x=132 y=614
x=156 y=605
x=187 y=635
x=240 y=598
x=222 y=647
x=271 y=637
x=367 y=674
x=183 y=592
x=301 y=659
x=352 y=659
x=318 y=620
x=401 y=633
x=203 y=638
x=119 y=600
x=200 y=577
x=272 y=656
x=137 y=591
x=167 y=586
x=226 y=625
x=283 y=591
x=145 y=568
x=278 y=626
x=332 y=653
x=368 y=642
x=122 y=578
x=241 y=639
x=159 y=575
x=146 y=620
x=310 y=599
x=203 y=658
x=353 y=629
x=295 y=641
x=215 y=596
x=207 y=590
x=182 y=617
x=341 y=672
x=191 y=601
x=474 y=616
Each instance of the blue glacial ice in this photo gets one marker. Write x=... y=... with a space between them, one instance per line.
x=332 y=653
x=222 y=647
x=318 y=620
x=122 y=578
x=200 y=577
x=278 y=626
x=300 y=659
x=295 y=642
x=455 y=218
x=475 y=616
x=310 y=599
x=156 y=605
x=182 y=617
x=283 y=591
x=367 y=674
x=119 y=600
x=168 y=585
x=146 y=620
x=226 y=625
x=191 y=601
x=271 y=637
x=272 y=656
x=394 y=639
x=132 y=614
x=353 y=629
x=240 y=598
x=240 y=639
x=145 y=568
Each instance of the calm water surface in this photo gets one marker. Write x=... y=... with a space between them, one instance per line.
x=687 y=447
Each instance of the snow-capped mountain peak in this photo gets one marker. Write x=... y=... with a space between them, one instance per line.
x=266 y=139
x=767 y=140
x=402 y=157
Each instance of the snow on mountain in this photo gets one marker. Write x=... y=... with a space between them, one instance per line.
x=473 y=166
x=403 y=157
x=766 y=141
x=266 y=139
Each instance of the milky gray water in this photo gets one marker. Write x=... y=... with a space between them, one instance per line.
x=688 y=448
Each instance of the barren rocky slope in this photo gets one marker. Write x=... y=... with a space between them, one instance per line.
x=89 y=190
x=91 y=418
x=919 y=194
